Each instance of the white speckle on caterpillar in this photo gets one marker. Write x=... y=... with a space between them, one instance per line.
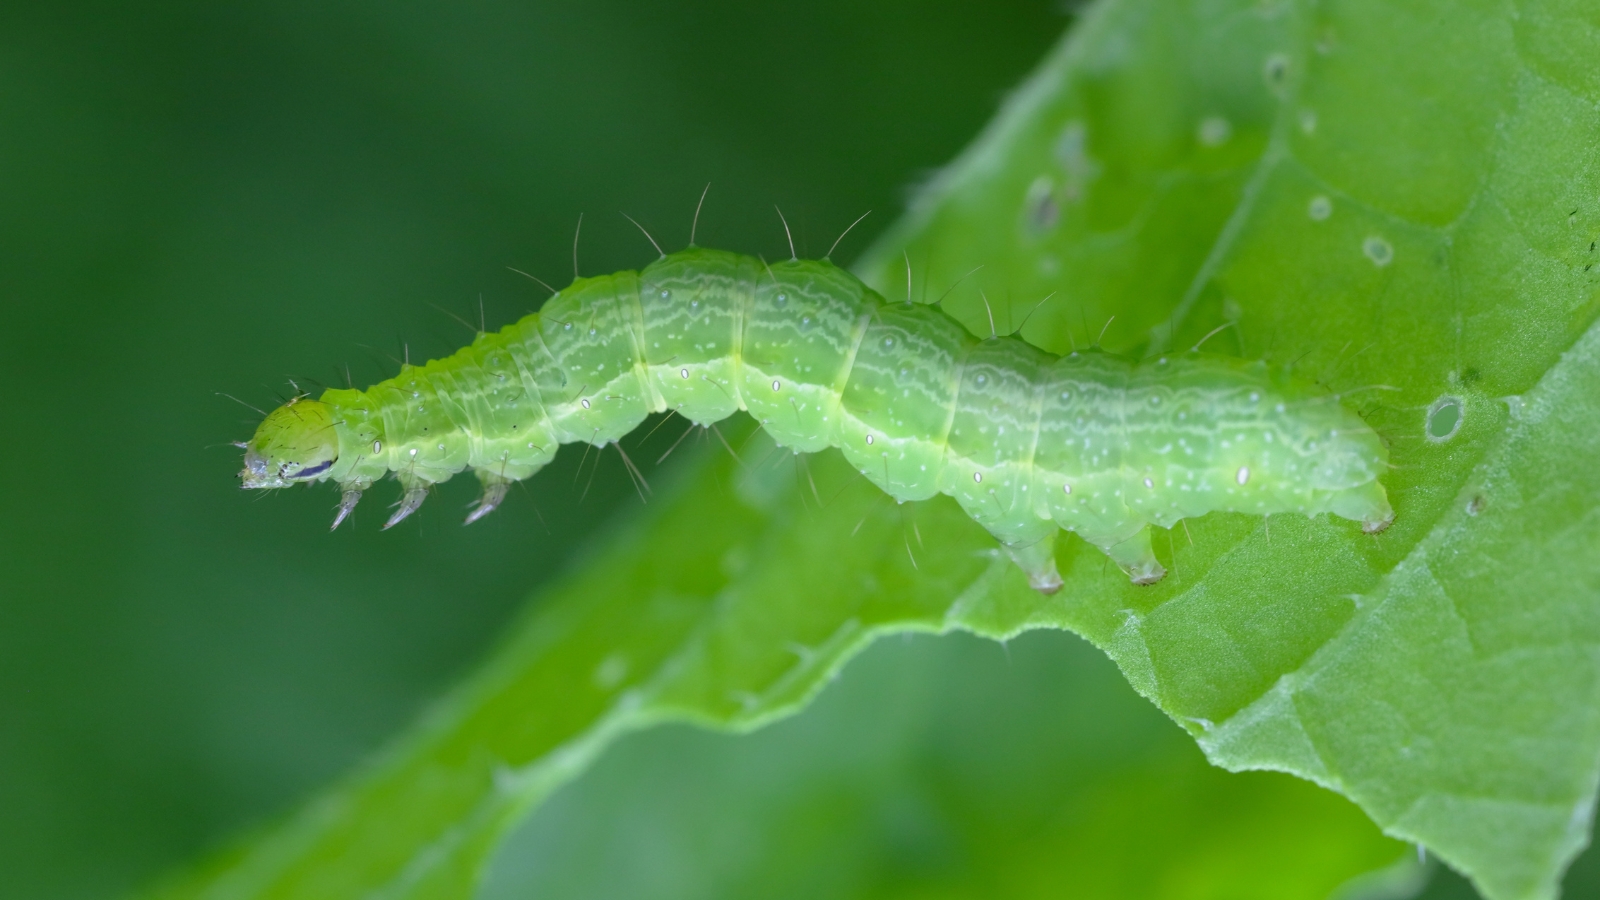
x=776 y=384
x=585 y=402
x=977 y=477
x=1244 y=475
x=1378 y=250
x=869 y=438
x=377 y=446
x=1320 y=208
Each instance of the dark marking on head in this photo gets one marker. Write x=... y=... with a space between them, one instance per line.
x=314 y=470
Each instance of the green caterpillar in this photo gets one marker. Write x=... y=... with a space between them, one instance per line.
x=1027 y=442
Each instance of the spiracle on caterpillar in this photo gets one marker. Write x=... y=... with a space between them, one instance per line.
x=1027 y=442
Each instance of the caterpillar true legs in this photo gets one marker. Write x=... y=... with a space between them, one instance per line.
x=1027 y=442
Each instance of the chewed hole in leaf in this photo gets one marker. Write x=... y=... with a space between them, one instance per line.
x=1444 y=419
x=1378 y=250
x=1041 y=210
x=1214 y=131
x=1276 y=71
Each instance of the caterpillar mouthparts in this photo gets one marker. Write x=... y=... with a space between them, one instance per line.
x=1027 y=442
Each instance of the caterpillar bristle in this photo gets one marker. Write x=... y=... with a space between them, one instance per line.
x=695 y=225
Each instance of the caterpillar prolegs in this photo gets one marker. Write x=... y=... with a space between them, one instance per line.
x=1027 y=442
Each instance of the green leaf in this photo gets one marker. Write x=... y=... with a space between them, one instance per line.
x=945 y=767
x=1389 y=194
x=1399 y=198
x=738 y=596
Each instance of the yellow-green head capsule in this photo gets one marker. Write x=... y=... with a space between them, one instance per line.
x=296 y=442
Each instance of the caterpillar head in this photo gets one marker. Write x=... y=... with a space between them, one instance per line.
x=295 y=442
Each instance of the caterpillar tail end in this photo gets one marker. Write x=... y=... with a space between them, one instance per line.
x=410 y=501
x=1379 y=516
x=494 y=493
x=1367 y=504
x=347 y=505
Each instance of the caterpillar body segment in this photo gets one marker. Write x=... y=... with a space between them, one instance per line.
x=1027 y=442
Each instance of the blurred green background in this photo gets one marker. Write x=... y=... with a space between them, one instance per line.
x=200 y=198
